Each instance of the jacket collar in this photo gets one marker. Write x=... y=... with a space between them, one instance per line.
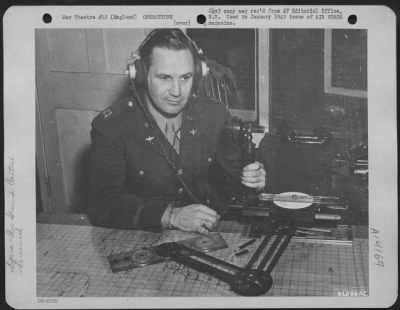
x=147 y=131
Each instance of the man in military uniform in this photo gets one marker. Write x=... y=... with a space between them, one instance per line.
x=152 y=153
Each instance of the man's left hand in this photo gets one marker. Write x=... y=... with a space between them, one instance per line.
x=253 y=175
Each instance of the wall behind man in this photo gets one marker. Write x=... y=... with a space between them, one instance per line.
x=297 y=87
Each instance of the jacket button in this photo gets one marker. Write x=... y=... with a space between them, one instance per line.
x=180 y=190
x=141 y=172
x=209 y=159
x=130 y=104
x=180 y=171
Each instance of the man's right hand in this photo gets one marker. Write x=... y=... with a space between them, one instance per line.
x=194 y=217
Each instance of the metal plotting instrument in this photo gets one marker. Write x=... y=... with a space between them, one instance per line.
x=132 y=259
x=206 y=243
x=145 y=256
x=247 y=281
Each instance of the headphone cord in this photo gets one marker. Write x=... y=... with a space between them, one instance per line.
x=164 y=151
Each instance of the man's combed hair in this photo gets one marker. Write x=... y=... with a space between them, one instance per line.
x=173 y=39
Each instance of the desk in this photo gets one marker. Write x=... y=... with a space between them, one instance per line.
x=72 y=262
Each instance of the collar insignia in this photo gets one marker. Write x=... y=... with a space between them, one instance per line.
x=149 y=139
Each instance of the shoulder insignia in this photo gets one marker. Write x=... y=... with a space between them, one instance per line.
x=107 y=113
x=108 y=120
x=118 y=108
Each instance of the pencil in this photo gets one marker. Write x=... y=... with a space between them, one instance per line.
x=242 y=252
x=246 y=244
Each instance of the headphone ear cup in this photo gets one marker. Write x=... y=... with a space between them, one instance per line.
x=200 y=71
x=204 y=69
x=197 y=75
x=140 y=76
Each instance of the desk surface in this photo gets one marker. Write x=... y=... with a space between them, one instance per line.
x=72 y=262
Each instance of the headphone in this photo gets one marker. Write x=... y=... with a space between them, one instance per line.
x=137 y=71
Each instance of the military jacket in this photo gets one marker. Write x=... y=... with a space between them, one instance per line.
x=136 y=173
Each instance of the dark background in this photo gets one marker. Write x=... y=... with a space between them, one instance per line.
x=299 y=100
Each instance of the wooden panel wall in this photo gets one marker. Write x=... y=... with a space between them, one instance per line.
x=68 y=58
x=79 y=72
x=74 y=136
x=119 y=45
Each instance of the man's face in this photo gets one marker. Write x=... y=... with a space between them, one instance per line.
x=170 y=79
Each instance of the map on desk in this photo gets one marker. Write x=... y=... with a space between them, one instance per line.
x=72 y=262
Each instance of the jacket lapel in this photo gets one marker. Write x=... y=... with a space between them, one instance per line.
x=150 y=136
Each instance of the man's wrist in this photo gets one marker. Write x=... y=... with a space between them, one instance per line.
x=166 y=217
x=171 y=219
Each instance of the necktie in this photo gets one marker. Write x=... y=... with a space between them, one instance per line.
x=172 y=135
